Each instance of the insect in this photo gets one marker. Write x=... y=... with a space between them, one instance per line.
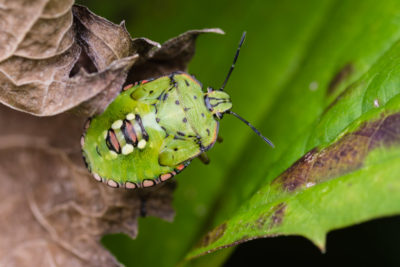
x=153 y=129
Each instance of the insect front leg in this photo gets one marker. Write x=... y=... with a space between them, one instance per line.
x=204 y=158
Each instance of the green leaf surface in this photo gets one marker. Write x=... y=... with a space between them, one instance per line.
x=337 y=161
x=308 y=76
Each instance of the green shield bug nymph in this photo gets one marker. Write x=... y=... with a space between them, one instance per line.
x=153 y=129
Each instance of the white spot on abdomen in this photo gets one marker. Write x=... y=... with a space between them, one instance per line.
x=142 y=144
x=116 y=124
x=127 y=149
x=130 y=116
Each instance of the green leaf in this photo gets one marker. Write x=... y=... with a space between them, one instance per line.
x=337 y=158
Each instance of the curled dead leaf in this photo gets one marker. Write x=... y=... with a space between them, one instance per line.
x=52 y=211
x=36 y=65
x=173 y=55
x=63 y=56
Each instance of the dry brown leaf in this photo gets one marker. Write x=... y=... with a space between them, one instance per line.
x=53 y=213
x=54 y=57
x=42 y=49
x=173 y=55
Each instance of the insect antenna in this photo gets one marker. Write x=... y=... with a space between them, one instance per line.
x=252 y=127
x=234 y=61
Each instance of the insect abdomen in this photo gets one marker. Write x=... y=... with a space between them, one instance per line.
x=124 y=135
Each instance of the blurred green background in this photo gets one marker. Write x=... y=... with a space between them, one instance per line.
x=278 y=34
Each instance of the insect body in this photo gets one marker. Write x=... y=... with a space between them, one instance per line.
x=153 y=129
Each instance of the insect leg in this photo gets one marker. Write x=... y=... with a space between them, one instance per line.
x=204 y=158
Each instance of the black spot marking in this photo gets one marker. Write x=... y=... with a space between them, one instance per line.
x=151 y=91
x=186 y=109
x=129 y=133
x=177 y=102
x=202 y=114
x=220 y=102
x=112 y=141
x=178 y=138
x=145 y=135
x=184 y=120
x=155 y=107
x=165 y=96
x=172 y=79
x=157 y=120
x=208 y=131
x=180 y=133
x=175 y=149
x=165 y=130
x=98 y=151
x=195 y=97
x=187 y=83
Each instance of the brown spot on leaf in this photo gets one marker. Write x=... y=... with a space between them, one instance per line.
x=339 y=77
x=212 y=236
x=277 y=215
x=342 y=157
x=273 y=217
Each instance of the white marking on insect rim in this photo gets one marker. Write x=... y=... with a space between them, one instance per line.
x=165 y=176
x=313 y=86
x=376 y=103
x=82 y=141
x=112 y=183
x=130 y=185
x=116 y=124
x=96 y=177
x=148 y=183
x=127 y=149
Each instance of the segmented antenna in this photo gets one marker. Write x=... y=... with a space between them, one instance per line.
x=252 y=127
x=234 y=61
